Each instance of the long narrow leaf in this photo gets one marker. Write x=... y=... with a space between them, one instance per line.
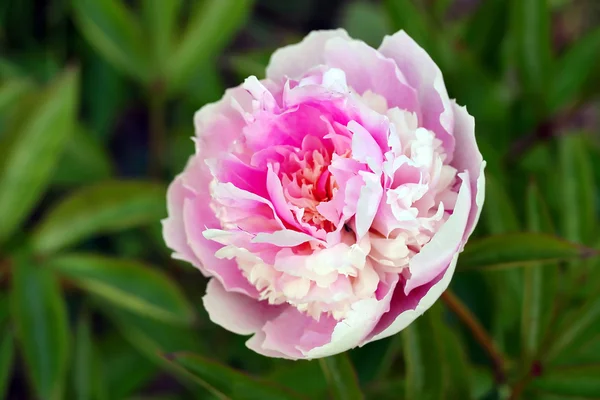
x=340 y=374
x=7 y=351
x=539 y=282
x=128 y=284
x=574 y=69
x=422 y=347
x=31 y=149
x=209 y=29
x=114 y=32
x=501 y=251
x=579 y=217
x=160 y=21
x=40 y=316
x=572 y=329
x=84 y=160
x=227 y=383
x=97 y=209
x=532 y=45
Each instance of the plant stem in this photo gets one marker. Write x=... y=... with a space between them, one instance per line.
x=157 y=129
x=478 y=332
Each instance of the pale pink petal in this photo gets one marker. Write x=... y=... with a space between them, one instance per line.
x=368 y=203
x=404 y=309
x=367 y=69
x=435 y=255
x=235 y=311
x=295 y=60
x=218 y=124
x=467 y=157
x=173 y=225
x=358 y=324
x=423 y=74
x=283 y=238
x=293 y=333
x=198 y=217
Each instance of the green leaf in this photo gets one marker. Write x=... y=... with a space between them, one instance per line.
x=115 y=33
x=87 y=375
x=574 y=69
x=124 y=369
x=573 y=328
x=105 y=94
x=499 y=213
x=500 y=251
x=340 y=375
x=29 y=152
x=210 y=28
x=366 y=22
x=422 y=347
x=149 y=336
x=11 y=91
x=160 y=21
x=581 y=382
x=457 y=371
x=128 y=284
x=539 y=282
x=226 y=383
x=436 y=366
x=301 y=376
x=7 y=352
x=83 y=161
x=532 y=46
x=406 y=16
x=579 y=217
x=486 y=31
x=101 y=208
x=587 y=352
x=40 y=317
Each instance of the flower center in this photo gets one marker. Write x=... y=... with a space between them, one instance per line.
x=307 y=183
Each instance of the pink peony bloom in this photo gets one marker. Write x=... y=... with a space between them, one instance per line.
x=329 y=202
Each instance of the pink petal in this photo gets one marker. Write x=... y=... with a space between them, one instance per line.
x=198 y=217
x=237 y=312
x=468 y=158
x=358 y=324
x=173 y=225
x=404 y=309
x=295 y=60
x=368 y=203
x=218 y=124
x=423 y=74
x=367 y=69
x=283 y=238
x=435 y=256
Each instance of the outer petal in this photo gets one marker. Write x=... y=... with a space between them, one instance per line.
x=435 y=255
x=236 y=312
x=219 y=124
x=198 y=217
x=173 y=225
x=423 y=74
x=366 y=69
x=295 y=60
x=357 y=326
x=404 y=309
x=467 y=157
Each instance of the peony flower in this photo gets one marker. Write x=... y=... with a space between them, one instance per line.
x=328 y=203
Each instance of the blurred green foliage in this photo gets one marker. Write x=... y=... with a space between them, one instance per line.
x=96 y=106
